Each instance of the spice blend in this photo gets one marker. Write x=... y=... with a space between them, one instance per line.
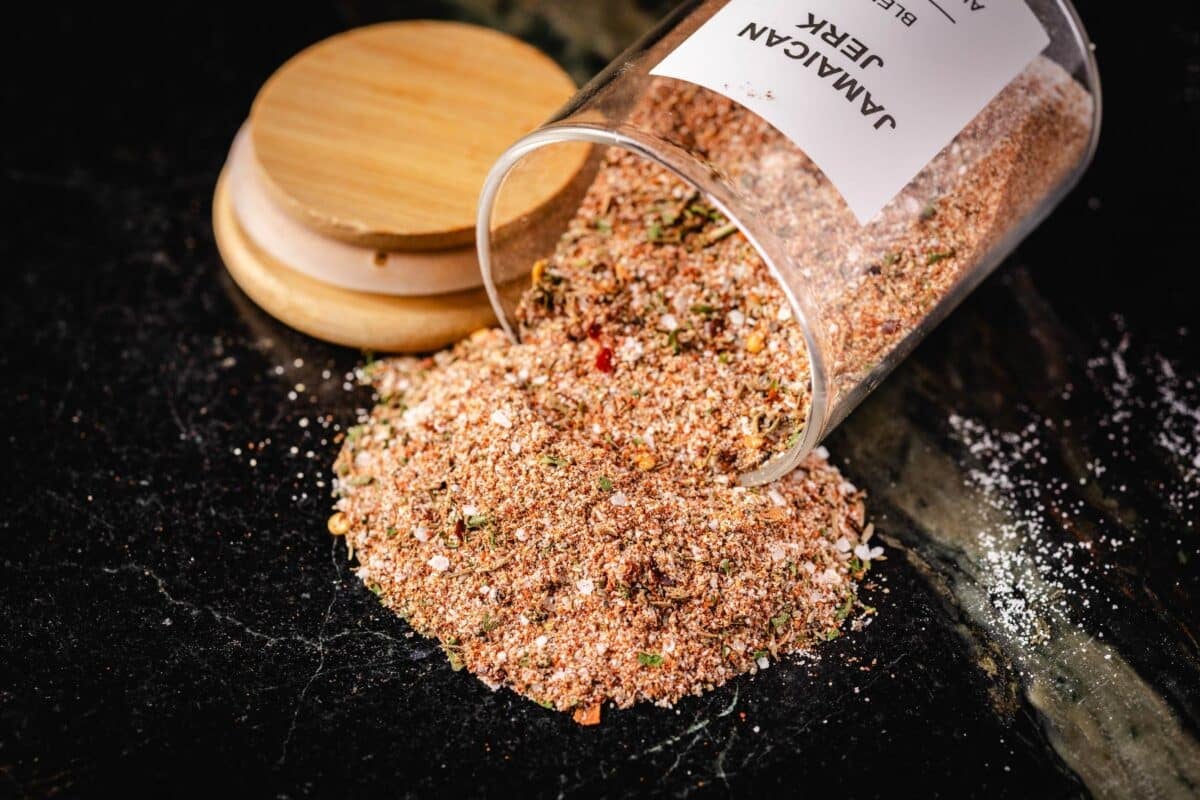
x=564 y=514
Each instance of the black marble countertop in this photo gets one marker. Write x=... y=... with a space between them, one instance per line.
x=175 y=620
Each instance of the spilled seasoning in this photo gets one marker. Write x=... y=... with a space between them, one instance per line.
x=564 y=514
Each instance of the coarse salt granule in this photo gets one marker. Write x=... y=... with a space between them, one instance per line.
x=439 y=563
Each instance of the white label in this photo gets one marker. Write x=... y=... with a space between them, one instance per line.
x=871 y=90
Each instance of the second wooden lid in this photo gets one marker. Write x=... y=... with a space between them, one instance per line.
x=382 y=136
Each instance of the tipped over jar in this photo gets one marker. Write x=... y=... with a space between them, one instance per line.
x=882 y=160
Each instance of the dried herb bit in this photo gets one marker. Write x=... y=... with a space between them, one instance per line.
x=451 y=648
x=891 y=259
x=723 y=232
x=376 y=589
x=780 y=620
x=726 y=566
x=551 y=460
x=702 y=210
x=929 y=211
x=392 y=531
x=605 y=483
x=794 y=439
x=761 y=654
x=650 y=659
x=477 y=521
x=361 y=480
x=844 y=610
x=355 y=433
x=603 y=225
x=654 y=233
x=673 y=342
x=934 y=258
x=548 y=704
x=703 y=308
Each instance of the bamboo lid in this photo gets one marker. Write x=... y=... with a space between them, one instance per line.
x=355 y=319
x=382 y=136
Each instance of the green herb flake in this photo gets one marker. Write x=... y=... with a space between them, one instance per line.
x=929 y=211
x=361 y=480
x=934 y=258
x=392 y=531
x=451 y=649
x=673 y=342
x=650 y=659
x=726 y=566
x=603 y=225
x=355 y=433
x=723 y=232
x=780 y=620
x=794 y=439
x=605 y=483
x=761 y=654
x=844 y=610
x=548 y=704
x=376 y=589
x=551 y=460
x=703 y=308
x=654 y=233
x=891 y=259
x=476 y=521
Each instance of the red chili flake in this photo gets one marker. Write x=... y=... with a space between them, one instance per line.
x=594 y=331
x=604 y=359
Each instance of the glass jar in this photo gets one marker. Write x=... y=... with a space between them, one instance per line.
x=865 y=285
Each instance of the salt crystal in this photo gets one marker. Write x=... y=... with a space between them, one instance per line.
x=421 y=534
x=737 y=318
x=439 y=563
x=501 y=419
x=585 y=586
x=619 y=499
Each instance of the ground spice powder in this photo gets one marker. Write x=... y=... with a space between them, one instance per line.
x=563 y=514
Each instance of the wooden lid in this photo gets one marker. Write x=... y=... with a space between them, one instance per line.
x=382 y=136
x=356 y=319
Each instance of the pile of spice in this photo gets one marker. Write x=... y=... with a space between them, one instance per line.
x=564 y=514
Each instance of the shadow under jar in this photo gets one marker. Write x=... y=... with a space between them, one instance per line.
x=881 y=165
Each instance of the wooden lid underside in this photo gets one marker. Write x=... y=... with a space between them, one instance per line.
x=355 y=319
